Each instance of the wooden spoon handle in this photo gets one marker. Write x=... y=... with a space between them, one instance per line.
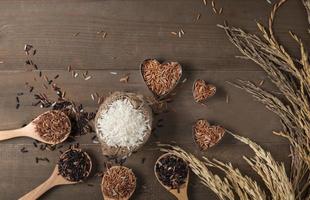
x=108 y=198
x=5 y=135
x=44 y=187
x=39 y=191
x=182 y=196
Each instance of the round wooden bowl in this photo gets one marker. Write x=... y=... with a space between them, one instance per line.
x=103 y=178
x=137 y=101
x=85 y=153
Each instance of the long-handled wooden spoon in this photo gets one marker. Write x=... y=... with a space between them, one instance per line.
x=54 y=180
x=30 y=131
x=181 y=192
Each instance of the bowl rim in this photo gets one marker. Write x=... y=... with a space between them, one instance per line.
x=161 y=63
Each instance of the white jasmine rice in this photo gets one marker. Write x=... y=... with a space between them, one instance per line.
x=122 y=125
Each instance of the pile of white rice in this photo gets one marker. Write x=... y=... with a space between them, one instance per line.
x=121 y=125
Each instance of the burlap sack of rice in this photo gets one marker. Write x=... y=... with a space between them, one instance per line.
x=112 y=123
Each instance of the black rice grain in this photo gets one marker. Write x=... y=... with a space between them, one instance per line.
x=74 y=165
x=23 y=150
x=35 y=144
x=42 y=159
x=172 y=171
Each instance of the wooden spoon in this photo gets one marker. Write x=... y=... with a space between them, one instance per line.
x=105 y=197
x=181 y=193
x=30 y=131
x=54 y=180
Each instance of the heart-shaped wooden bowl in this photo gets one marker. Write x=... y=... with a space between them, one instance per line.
x=208 y=90
x=212 y=141
x=165 y=68
x=137 y=101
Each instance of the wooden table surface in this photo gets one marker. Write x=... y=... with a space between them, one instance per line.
x=64 y=32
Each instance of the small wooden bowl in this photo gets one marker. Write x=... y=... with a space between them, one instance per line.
x=125 y=198
x=85 y=153
x=194 y=137
x=137 y=100
x=171 y=89
x=206 y=99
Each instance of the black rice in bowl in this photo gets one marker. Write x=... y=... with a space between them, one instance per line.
x=172 y=171
x=74 y=165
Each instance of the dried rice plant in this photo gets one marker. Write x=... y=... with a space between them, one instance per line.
x=307 y=6
x=292 y=78
x=272 y=173
x=244 y=186
x=221 y=187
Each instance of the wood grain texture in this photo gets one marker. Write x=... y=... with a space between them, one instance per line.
x=136 y=30
x=65 y=33
x=241 y=114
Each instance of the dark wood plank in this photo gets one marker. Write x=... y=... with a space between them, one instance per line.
x=20 y=171
x=241 y=114
x=65 y=33
x=241 y=109
x=136 y=30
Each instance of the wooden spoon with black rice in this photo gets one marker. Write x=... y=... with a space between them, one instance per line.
x=172 y=173
x=73 y=167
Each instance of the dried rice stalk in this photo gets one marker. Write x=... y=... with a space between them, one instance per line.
x=307 y=6
x=220 y=187
x=272 y=173
x=292 y=77
x=244 y=186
